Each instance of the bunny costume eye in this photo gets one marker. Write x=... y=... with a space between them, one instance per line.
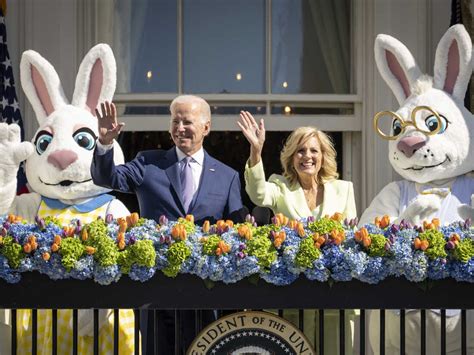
x=85 y=138
x=42 y=141
x=432 y=123
x=397 y=127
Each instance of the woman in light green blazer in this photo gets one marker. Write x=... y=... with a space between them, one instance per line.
x=307 y=187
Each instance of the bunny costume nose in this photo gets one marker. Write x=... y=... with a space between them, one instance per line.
x=61 y=159
x=409 y=145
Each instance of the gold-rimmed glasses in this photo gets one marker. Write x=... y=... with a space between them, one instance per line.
x=428 y=124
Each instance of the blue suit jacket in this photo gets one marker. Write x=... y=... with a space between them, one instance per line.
x=154 y=176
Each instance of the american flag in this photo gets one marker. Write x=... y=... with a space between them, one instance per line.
x=9 y=106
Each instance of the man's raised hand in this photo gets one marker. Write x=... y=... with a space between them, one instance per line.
x=109 y=129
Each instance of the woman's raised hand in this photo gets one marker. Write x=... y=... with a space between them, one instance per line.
x=254 y=133
x=109 y=128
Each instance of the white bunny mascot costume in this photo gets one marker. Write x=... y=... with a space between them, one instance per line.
x=58 y=167
x=433 y=154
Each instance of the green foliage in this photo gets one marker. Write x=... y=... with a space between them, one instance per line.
x=71 y=250
x=262 y=248
x=210 y=245
x=264 y=231
x=177 y=254
x=325 y=225
x=188 y=226
x=377 y=245
x=437 y=243
x=307 y=253
x=142 y=253
x=464 y=251
x=106 y=248
x=13 y=252
x=53 y=220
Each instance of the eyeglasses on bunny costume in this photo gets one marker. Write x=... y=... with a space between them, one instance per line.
x=58 y=170
x=431 y=146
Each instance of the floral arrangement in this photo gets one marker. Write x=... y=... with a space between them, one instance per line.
x=326 y=249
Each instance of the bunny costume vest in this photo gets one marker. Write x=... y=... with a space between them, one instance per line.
x=86 y=212
x=454 y=193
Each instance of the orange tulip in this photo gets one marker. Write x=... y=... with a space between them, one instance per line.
x=417 y=243
x=27 y=248
x=206 y=226
x=436 y=222
x=385 y=222
x=57 y=239
x=190 y=218
x=317 y=245
x=84 y=235
x=229 y=223
x=361 y=234
x=120 y=236
x=121 y=244
x=337 y=216
x=300 y=229
x=293 y=224
x=175 y=231
x=366 y=241
x=182 y=233
x=132 y=219
x=123 y=226
x=91 y=250
x=427 y=225
x=46 y=256
x=54 y=247
x=377 y=221
x=424 y=245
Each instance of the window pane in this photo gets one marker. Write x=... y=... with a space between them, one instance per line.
x=224 y=46
x=311 y=46
x=145 y=44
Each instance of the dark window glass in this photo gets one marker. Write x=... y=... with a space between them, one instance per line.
x=311 y=46
x=224 y=46
x=146 y=46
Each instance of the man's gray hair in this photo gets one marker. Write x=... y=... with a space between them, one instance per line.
x=204 y=107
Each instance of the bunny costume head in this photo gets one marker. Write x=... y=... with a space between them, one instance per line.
x=417 y=156
x=59 y=168
x=430 y=135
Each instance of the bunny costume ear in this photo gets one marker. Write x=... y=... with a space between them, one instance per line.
x=96 y=79
x=396 y=65
x=453 y=68
x=41 y=84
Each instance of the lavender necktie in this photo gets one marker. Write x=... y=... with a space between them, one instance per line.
x=186 y=182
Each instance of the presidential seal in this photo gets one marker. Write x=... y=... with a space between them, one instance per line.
x=251 y=333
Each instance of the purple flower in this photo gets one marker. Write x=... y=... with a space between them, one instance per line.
x=109 y=218
x=450 y=245
x=163 y=220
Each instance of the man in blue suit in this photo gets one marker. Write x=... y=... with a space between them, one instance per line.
x=182 y=180
x=156 y=176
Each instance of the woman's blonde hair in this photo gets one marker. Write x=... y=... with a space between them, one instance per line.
x=328 y=169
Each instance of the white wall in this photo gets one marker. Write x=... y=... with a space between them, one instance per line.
x=49 y=27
